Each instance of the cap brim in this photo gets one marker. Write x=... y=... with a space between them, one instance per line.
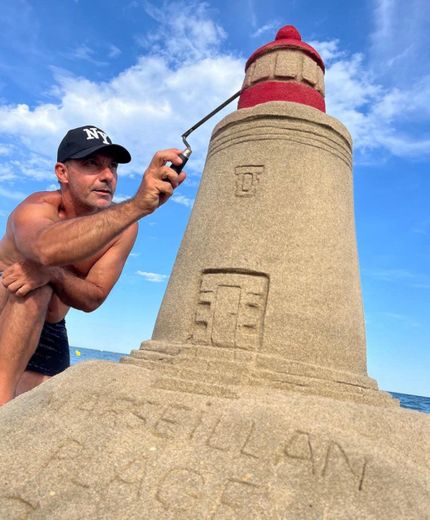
x=116 y=150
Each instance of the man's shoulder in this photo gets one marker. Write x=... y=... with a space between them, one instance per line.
x=48 y=200
x=43 y=197
x=52 y=198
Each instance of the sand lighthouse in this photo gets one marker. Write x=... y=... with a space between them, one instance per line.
x=252 y=399
x=266 y=281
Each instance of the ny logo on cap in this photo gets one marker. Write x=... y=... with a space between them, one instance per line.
x=96 y=133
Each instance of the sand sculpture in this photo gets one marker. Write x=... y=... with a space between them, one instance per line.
x=252 y=399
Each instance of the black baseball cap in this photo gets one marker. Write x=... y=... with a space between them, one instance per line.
x=86 y=140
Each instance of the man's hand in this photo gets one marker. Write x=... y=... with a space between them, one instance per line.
x=159 y=181
x=23 y=277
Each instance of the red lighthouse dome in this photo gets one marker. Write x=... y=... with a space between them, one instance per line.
x=286 y=69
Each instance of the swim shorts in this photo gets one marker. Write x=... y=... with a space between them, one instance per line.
x=52 y=354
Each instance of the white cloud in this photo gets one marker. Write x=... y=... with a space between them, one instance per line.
x=182 y=75
x=421 y=285
x=389 y=275
x=27 y=164
x=402 y=276
x=378 y=116
x=184 y=201
x=5 y=149
x=12 y=194
x=405 y=320
x=190 y=35
x=7 y=173
x=83 y=52
x=252 y=14
x=114 y=51
x=268 y=27
x=400 y=39
x=146 y=107
x=118 y=197
x=328 y=50
x=153 y=277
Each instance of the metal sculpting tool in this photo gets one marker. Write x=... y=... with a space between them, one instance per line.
x=187 y=152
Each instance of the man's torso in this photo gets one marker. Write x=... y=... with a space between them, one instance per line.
x=10 y=254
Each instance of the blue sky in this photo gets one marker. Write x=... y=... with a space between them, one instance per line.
x=147 y=71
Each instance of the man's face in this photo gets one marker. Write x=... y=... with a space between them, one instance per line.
x=92 y=181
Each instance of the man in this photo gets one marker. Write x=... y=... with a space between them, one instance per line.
x=67 y=249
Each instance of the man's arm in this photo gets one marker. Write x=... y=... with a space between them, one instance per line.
x=81 y=292
x=89 y=292
x=42 y=238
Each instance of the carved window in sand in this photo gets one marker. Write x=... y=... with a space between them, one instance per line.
x=247 y=179
x=230 y=309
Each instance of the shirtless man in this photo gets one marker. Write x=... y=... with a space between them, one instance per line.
x=67 y=249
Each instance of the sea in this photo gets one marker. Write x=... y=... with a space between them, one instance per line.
x=77 y=355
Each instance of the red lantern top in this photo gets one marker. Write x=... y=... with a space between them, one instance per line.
x=286 y=69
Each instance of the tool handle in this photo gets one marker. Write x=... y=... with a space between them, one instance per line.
x=184 y=156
